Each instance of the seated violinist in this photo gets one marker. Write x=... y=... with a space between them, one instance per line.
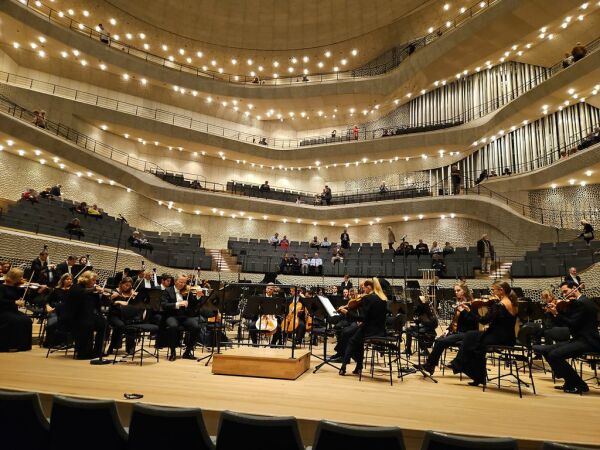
x=126 y=308
x=15 y=327
x=424 y=328
x=55 y=303
x=580 y=315
x=464 y=320
x=4 y=268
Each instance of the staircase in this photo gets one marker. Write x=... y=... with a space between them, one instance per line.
x=222 y=261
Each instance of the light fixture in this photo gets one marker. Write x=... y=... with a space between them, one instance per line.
x=420 y=216
x=327 y=54
x=571 y=181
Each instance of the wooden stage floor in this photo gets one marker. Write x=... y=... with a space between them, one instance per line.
x=414 y=405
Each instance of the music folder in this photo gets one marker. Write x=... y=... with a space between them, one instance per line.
x=328 y=307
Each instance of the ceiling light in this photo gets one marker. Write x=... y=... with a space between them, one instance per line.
x=129 y=36
x=446 y=6
x=86 y=13
x=33 y=45
x=64 y=54
x=42 y=53
x=421 y=216
x=305 y=59
x=104 y=127
x=113 y=21
x=588 y=173
x=83 y=62
x=327 y=54
x=102 y=66
x=344 y=61
x=249 y=62
x=126 y=76
x=571 y=181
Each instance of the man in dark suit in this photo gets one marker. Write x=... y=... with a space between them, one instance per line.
x=178 y=309
x=345 y=239
x=346 y=284
x=66 y=267
x=485 y=250
x=572 y=276
x=581 y=317
x=43 y=273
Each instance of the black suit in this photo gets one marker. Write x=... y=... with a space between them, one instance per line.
x=82 y=315
x=176 y=317
x=63 y=268
x=373 y=313
x=345 y=240
x=582 y=320
x=41 y=273
x=576 y=280
x=345 y=285
x=15 y=327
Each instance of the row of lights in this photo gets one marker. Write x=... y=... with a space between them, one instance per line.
x=573 y=181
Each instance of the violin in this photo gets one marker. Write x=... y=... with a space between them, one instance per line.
x=481 y=302
x=353 y=303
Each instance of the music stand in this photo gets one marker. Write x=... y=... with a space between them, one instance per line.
x=210 y=306
x=260 y=305
x=320 y=303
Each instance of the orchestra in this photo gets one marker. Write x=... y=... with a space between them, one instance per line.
x=70 y=302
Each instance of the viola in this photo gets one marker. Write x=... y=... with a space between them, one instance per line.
x=292 y=320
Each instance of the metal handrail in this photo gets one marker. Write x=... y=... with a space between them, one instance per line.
x=57 y=17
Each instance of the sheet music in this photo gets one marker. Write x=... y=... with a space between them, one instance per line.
x=331 y=312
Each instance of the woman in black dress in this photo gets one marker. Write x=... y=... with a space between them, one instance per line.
x=501 y=318
x=15 y=327
x=55 y=303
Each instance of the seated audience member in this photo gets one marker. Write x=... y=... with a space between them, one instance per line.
x=274 y=241
x=4 y=268
x=94 y=212
x=299 y=200
x=385 y=133
x=567 y=60
x=337 y=255
x=295 y=264
x=263 y=141
x=39 y=118
x=383 y=188
x=15 y=327
x=325 y=243
x=315 y=243
x=285 y=265
x=507 y=172
x=284 y=243
x=448 y=249
x=316 y=265
x=82 y=208
x=435 y=248
x=493 y=174
x=55 y=191
x=31 y=195
x=265 y=187
x=318 y=200
x=422 y=248
x=482 y=176
x=588 y=232
x=578 y=52
x=47 y=194
x=304 y=264
x=138 y=240
x=256 y=80
x=195 y=184
x=74 y=228
x=564 y=155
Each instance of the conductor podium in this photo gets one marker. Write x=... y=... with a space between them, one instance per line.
x=262 y=362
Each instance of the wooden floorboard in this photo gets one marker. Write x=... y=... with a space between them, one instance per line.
x=414 y=405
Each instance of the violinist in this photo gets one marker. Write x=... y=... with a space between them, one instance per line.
x=581 y=317
x=347 y=326
x=43 y=272
x=55 y=302
x=15 y=327
x=126 y=307
x=178 y=303
x=82 y=315
x=424 y=328
x=501 y=317
x=550 y=328
x=373 y=306
x=4 y=268
x=66 y=266
x=465 y=319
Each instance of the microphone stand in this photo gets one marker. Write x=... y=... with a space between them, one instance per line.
x=122 y=220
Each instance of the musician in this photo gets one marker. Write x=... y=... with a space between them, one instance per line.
x=177 y=303
x=4 y=268
x=501 y=317
x=55 y=304
x=252 y=324
x=346 y=326
x=126 y=307
x=66 y=266
x=581 y=316
x=83 y=316
x=145 y=278
x=43 y=273
x=373 y=308
x=125 y=273
x=572 y=276
x=15 y=327
x=424 y=328
x=346 y=284
x=550 y=328
x=166 y=281
x=297 y=324
x=464 y=320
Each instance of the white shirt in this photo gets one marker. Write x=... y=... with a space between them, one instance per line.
x=325 y=244
x=316 y=262
x=179 y=298
x=305 y=261
x=273 y=240
x=147 y=284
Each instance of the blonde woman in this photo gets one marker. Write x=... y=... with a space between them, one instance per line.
x=15 y=327
x=373 y=309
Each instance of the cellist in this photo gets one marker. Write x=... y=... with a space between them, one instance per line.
x=294 y=322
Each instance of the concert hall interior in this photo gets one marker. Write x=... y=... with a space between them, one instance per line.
x=336 y=224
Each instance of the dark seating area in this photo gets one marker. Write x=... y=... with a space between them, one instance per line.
x=554 y=259
x=289 y=195
x=360 y=259
x=97 y=424
x=51 y=216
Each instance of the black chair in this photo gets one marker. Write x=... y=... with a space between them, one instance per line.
x=556 y=446
x=22 y=421
x=593 y=360
x=141 y=332
x=89 y=424
x=389 y=348
x=330 y=435
x=237 y=431
x=158 y=427
x=441 y=441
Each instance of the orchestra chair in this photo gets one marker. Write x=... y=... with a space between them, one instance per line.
x=141 y=333
x=64 y=342
x=557 y=446
x=517 y=357
x=331 y=435
x=179 y=428
x=22 y=421
x=593 y=360
x=386 y=346
x=442 y=441
x=89 y=424
x=452 y=348
x=248 y=432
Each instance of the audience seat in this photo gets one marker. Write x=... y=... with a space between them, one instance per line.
x=22 y=421
x=442 y=441
x=330 y=435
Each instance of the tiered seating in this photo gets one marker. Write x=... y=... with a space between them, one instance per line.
x=361 y=259
x=554 y=260
x=51 y=216
x=288 y=195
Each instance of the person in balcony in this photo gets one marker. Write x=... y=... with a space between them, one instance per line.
x=383 y=188
x=138 y=240
x=74 y=228
x=95 y=212
x=436 y=249
x=55 y=191
x=507 y=172
x=265 y=187
x=337 y=255
x=422 y=248
x=578 y=52
x=31 y=195
x=456 y=178
x=391 y=238
x=345 y=239
x=104 y=35
x=567 y=61
x=482 y=176
x=284 y=243
x=355 y=131
x=316 y=264
x=304 y=264
x=39 y=118
x=327 y=195
x=448 y=249
x=274 y=241
x=485 y=250
x=315 y=243
x=333 y=134
x=588 y=232
x=325 y=243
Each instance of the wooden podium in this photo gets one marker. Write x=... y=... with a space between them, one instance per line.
x=262 y=362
